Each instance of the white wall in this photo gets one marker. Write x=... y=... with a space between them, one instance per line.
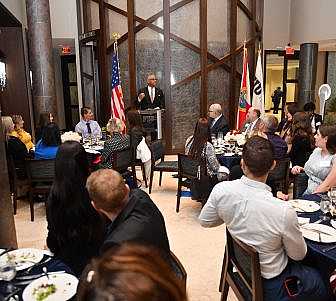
x=277 y=23
x=63 y=17
x=312 y=20
x=17 y=8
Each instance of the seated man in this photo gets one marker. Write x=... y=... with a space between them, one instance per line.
x=269 y=225
x=133 y=215
x=268 y=126
x=251 y=126
x=87 y=126
x=217 y=122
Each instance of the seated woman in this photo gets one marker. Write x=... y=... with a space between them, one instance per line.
x=285 y=125
x=301 y=142
x=200 y=148
x=20 y=133
x=137 y=140
x=75 y=229
x=321 y=165
x=130 y=272
x=117 y=142
x=44 y=120
x=14 y=146
x=47 y=146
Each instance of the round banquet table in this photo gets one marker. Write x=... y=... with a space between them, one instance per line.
x=228 y=161
x=317 y=254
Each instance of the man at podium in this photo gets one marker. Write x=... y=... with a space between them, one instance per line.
x=150 y=97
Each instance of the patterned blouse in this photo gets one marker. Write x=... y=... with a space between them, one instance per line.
x=116 y=143
x=209 y=153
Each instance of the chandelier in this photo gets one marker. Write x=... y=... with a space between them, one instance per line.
x=3 y=77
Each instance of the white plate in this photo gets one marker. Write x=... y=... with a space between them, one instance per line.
x=23 y=258
x=65 y=284
x=311 y=231
x=304 y=205
x=333 y=223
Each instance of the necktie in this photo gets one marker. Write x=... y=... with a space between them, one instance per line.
x=152 y=94
x=88 y=127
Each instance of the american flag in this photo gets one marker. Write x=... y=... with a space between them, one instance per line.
x=117 y=102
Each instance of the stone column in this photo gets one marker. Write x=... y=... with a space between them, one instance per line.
x=41 y=59
x=307 y=72
x=7 y=225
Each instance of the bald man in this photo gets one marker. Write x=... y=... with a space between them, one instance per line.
x=133 y=215
x=217 y=121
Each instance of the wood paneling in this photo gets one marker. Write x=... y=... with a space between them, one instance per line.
x=14 y=98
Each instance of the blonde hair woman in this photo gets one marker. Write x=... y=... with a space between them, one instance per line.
x=14 y=146
x=20 y=133
x=117 y=142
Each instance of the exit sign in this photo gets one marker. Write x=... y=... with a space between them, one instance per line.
x=66 y=50
x=289 y=50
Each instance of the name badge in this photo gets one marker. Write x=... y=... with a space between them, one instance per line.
x=325 y=163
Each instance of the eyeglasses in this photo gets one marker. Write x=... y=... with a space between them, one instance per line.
x=152 y=79
x=210 y=111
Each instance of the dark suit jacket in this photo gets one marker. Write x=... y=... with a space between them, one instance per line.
x=140 y=221
x=220 y=126
x=146 y=103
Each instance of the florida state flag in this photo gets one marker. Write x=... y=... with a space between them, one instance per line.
x=244 y=96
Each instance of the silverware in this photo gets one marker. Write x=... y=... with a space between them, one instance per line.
x=37 y=265
x=44 y=269
x=316 y=231
x=329 y=249
x=6 y=251
x=320 y=237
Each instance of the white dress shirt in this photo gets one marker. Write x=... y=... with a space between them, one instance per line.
x=82 y=129
x=255 y=217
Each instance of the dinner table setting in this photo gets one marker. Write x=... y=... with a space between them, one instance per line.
x=30 y=274
x=228 y=148
x=317 y=220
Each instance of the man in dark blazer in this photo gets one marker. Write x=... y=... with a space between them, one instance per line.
x=133 y=215
x=150 y=97
x=217 y=122
x=315 y=119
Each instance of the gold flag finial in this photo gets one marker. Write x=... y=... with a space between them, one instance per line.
x=115 y=36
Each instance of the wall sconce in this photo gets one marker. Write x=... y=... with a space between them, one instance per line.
x=3 y=77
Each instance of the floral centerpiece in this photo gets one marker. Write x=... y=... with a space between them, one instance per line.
x=71 y=136
x=235 y=136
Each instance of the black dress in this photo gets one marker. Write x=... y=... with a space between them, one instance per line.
x=301 y=150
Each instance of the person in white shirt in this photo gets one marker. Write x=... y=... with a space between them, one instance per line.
x=269 y=225
x=87 y=126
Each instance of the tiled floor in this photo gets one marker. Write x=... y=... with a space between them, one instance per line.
x=200 y=250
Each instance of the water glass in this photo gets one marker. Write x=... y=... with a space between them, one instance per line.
x=332 y=194
x=7 y=271
x=325 y=206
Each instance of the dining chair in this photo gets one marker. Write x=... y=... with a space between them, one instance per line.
x=188 y=169
x=41 y=175
x=278 y=178
x=240 y=271
x=123 y=160
x=157 y=153
x=300 y=185
x=178 y=269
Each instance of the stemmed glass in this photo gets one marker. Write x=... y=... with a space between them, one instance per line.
x=8 y=273
x=325 y=206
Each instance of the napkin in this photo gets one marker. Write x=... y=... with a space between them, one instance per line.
x=303 y=220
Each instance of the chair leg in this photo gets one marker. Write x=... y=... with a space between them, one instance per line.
x=31 y=204
x=160 y=179
x=14 y=201
x=225 y=292
x=144 y=175
x=151 y=181
x=178 y=197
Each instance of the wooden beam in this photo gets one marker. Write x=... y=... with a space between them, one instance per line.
x=233 y=45
x=167 y=71
x=104 y=106
x=131 y=50
x=204 y=58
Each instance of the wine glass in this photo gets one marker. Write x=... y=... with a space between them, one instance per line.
x=214 y=140
x=8 y=273
x=325 y=206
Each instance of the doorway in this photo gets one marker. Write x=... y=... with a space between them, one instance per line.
x=281 y=70
x=70 y=92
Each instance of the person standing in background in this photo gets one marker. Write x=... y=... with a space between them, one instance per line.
x=276 y=98
x=150 y=97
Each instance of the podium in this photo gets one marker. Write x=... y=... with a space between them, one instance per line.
x=152 y=120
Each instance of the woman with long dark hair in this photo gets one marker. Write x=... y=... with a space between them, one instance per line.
x=47 y=146
x=285 y=125
x=301 y=142
x=199 y=147
x=75 y=229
